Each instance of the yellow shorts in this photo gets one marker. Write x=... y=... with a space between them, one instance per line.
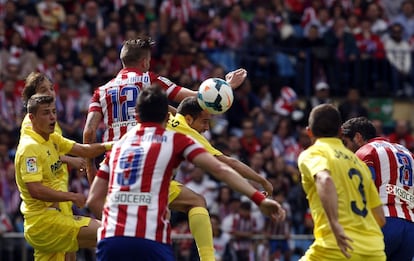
x=315 y=253
x=53 y=231
x=175 y=190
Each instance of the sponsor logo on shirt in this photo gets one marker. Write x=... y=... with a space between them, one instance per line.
x=123 y=124
x=401 y=193
x=128 y=198
x=31 y=164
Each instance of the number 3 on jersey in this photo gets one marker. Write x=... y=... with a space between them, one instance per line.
x=361 y=212
x=123 y=102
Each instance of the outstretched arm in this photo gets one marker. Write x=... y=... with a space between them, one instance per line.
x=234 y=78
x=246 y=172
x=227 y=175
x=89 y=136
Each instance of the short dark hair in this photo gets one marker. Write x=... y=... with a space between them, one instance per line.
x=33 y=80
x=36 y=100
x=361 y=125
x=189 y=106
x=134 y=50
x=325 y=121
x=152 y=104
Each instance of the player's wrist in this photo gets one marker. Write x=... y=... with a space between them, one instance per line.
x=108 y=145
x=258 y=197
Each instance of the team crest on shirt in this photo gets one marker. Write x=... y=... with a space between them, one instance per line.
x=31 y=165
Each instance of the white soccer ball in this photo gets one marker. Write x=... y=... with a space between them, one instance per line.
x=215 y=95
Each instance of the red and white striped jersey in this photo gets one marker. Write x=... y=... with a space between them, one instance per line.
x=139 y=169
x=116 y=99
x=393 y=166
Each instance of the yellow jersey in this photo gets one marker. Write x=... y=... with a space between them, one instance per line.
x=37 y=160
x=357 y=195
x=177 y=123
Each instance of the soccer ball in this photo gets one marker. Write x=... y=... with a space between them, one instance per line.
x=215 y=95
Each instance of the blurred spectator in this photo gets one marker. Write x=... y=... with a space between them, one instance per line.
x=256 y=53
x=256 y=162
x=70 y=118
x=80 y=88
x=221 y=239
x=321 y=95
x=202 y=184
x=352 y=106
x=402 y=134
x=11 y=196
x=379 y=127
x=398 y=54
x=310 y=13
x=241 y=226
x=221 y=206
x=91 y=20
x=379 y=24
x=11 y=113
x=110 y=64
x=49 y=65
x=15 y=59
x=235 y=29
x=134 y=9
x=30 y=30
x=322 y=21
x=391 y=8
x=406 y=19
x=287 y=103
x=250 y=144
x=280 y=247
x=67 y=57
x=52 y=15
x=113 y=36
x=245 y=104
x=312 y=50
x=343 y=54
x=180 y=10
x=283 y=136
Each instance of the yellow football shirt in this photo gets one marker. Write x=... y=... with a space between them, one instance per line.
x=66 y=207
x=37 y=160
x=357 y=195
x=177 y=123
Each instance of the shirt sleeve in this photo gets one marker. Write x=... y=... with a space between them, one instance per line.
x=30 y=165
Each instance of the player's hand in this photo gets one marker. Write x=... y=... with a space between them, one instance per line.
x=79 y=200
x=77 y=163
x=236 y=78
x=268 y=187
x=342 y=239
x=272 y=209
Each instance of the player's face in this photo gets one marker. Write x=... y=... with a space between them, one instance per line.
x=44 y=119
x=202 y=122
x=350 y=143
x=46 y=88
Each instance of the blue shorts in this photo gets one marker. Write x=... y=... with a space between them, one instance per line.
x=398 y=238
x=132 y=248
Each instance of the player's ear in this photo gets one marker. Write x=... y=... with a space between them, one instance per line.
x=31 y=116
x=189 y=119
x=309 y=132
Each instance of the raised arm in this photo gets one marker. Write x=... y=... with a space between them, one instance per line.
x=234 y=78
x=89 y=136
